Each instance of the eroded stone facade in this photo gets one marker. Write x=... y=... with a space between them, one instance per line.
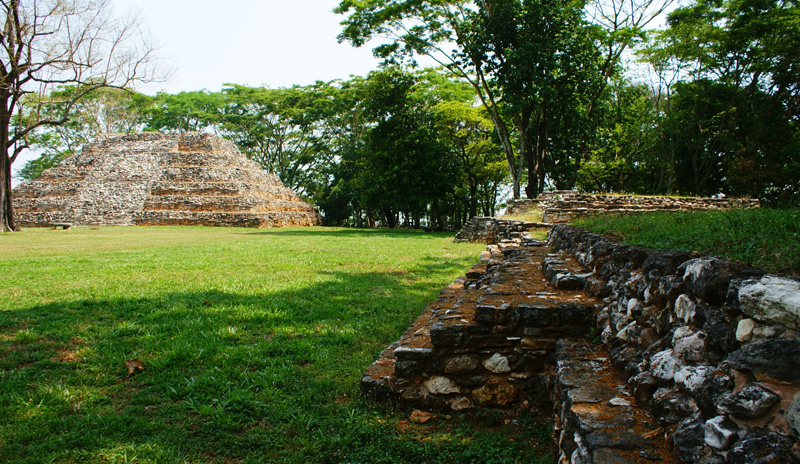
x=160 y=179
x=560 y=207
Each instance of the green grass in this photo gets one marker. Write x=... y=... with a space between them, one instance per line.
x=762 y=237
x=253 y=343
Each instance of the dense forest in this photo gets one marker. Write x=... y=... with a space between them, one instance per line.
x=534 y=95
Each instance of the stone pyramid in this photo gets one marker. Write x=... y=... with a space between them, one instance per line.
x=160 y=179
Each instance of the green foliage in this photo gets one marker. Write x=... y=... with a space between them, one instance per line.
x=253 y=343
x=761 y=237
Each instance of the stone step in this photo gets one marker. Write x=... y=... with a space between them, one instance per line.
x=597 y=418
x=488 y=339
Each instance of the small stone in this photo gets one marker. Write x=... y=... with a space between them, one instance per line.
x=684 y=308
x=497 y=364
x=681 y=332
x=461 y=365
x=664 y=365
x=752 y=402
x=720 y=433
x=691 y=348
x=420 y=417
x=692 y=378
x=460 y=404
x=627 y=331
x=441 y=386
x=619 y=402
x=496 y=392
x=744 y=331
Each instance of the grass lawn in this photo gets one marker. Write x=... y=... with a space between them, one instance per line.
x=252 y=344
x=762 y=237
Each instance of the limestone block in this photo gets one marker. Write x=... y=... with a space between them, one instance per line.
x=772 y=299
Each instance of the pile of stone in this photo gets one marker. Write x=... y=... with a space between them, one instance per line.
x=492 y=230
x=709 y=346
x=157 y=179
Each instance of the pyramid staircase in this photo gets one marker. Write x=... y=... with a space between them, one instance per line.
x=160 y=179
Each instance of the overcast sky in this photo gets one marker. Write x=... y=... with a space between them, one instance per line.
x=275 y=43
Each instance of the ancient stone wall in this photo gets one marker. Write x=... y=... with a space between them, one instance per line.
x=563 y=206
x=711 y=347
x=492 y=230
x=158 y=179
x=641 y=355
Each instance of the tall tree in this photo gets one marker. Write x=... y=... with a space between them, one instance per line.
x=496 y=46
x=50 y=43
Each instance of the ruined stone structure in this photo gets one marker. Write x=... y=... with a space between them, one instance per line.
x=641 y=355
x=563 y=206
x=160 y=179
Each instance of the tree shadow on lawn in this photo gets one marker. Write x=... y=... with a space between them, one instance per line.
x=226 y=376
x=347 y=232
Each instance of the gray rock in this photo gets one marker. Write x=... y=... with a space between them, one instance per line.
x=752 y=402
x=441 y=386
x=497 y=364
x=693 y=378
x=765 y=449
x=684 y=308
x=772 y=299
x=691 y=348
x=664 y=365
x=590 y=394
x=720 y=432
x=776 y=359
x=689 y=440
x=450 y=335
x=672 y=405
x=461 y=365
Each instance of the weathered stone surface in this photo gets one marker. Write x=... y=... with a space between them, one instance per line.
x=691 y=348
x=720 y=432
x=689 y=440
x=744 y=330
x=441 y=386
x=664 y=365
x=672 y=405
x=461 y=365
x=772 y=299
x=793 y=416
x=751 y=402
x=496 y=392
x=497 y=364
x=155 y=179
x=776 y=359
x=766 y=449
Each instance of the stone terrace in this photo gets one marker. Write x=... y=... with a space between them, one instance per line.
x=159 y=179
x=641 y=355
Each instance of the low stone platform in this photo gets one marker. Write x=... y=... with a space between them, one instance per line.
x=512 y=335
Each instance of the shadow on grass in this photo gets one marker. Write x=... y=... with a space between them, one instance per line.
x=346 y=232
x=269 y=377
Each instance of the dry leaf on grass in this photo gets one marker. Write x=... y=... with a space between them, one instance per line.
x=133 y=366
x=420 y=417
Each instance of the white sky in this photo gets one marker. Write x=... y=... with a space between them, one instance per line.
x=274 y=43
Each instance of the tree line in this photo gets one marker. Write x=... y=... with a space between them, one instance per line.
x=395 y=148
x=528 y=95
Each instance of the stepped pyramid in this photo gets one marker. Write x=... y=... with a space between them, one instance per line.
x=160 y=179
